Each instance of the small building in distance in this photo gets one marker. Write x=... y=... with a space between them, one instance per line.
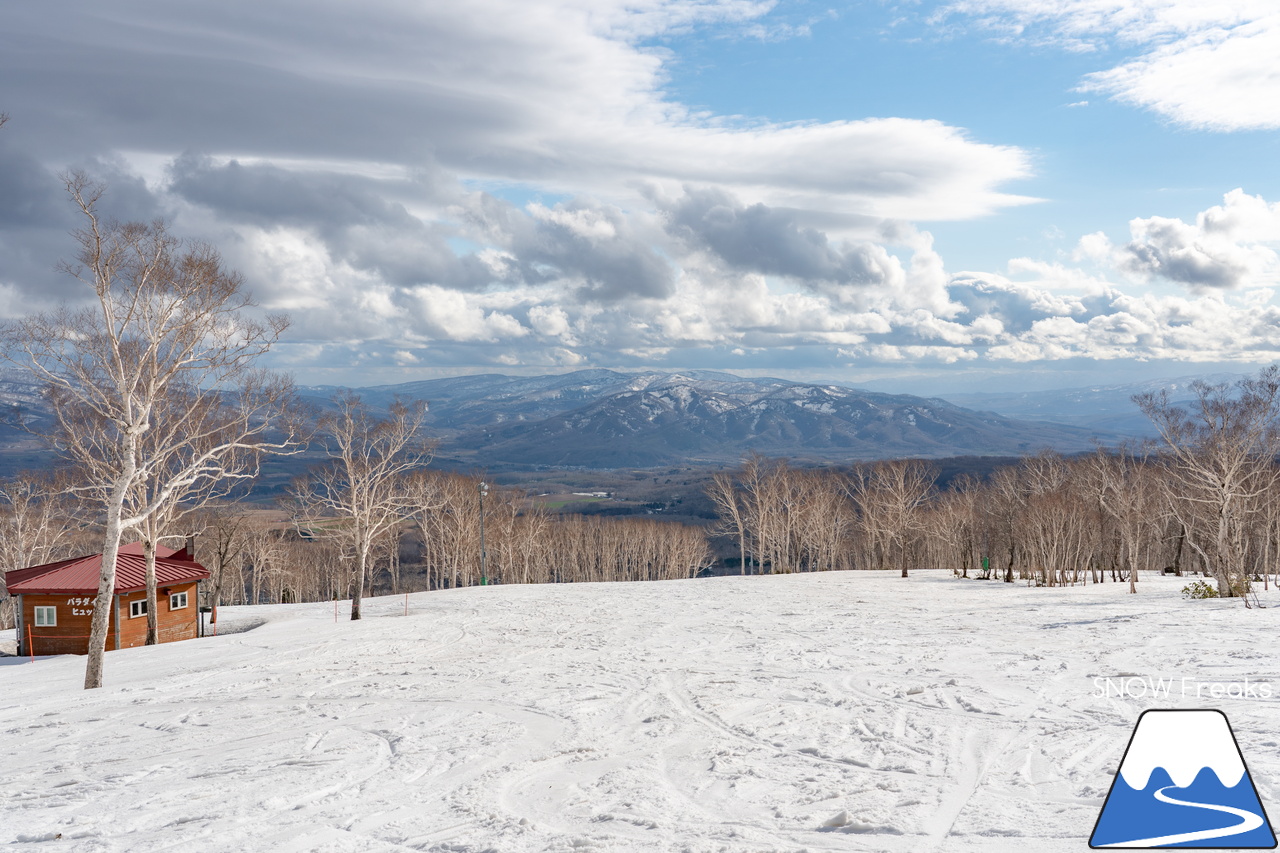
x=55 y=601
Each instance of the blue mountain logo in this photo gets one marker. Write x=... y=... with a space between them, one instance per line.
x=1183 y=783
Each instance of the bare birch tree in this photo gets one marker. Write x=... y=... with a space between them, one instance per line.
x=208 y=423
x=889 y=497
x=1220 y=456
x=728 y=501
x=362 y=493
x=36 y=526
x=955 y=522
x=1123 y=486
x=164 y=322
x=220 y=526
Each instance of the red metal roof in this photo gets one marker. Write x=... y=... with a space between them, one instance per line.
x=81 y=574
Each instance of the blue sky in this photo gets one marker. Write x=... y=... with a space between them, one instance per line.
x=1097 y=163
x=922 y=196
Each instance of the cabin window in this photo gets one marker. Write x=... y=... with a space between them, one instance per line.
x=137 y=608
x=177 y=601
x=46 y=617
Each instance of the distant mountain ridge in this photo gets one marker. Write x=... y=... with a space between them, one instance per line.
x=1107 y=408
x=604 y=418
x=20 y=398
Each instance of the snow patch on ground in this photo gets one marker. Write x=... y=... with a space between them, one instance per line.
x=834 y=711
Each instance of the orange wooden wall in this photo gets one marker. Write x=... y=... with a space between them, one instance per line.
x=75 y=615
x=172 y=624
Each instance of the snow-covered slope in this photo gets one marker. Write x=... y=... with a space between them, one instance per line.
x=841 y=711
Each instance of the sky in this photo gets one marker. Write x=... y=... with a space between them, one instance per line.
x=917 y=196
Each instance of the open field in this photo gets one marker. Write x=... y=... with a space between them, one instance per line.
x=834 y=711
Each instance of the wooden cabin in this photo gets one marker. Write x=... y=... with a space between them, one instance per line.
x=55 y=602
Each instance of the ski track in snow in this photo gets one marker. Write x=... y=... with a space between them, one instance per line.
x=834 y=711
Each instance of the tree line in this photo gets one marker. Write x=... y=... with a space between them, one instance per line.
x=261 y=555
x=1205 y=498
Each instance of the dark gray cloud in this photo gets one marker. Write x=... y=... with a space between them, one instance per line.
x=773 y=241
x=268 y=196
x=1166 y=253
x=595 y=245
x=500 y=89
x=596 y=251
x=351 y=214
x=37 y=217
x=30 y=194
x=260 y=77
x=34 y=222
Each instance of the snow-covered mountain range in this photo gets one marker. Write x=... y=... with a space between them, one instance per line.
x=1106 y=408
x=603 y=418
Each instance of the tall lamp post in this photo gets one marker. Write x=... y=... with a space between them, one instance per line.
x=484 y=490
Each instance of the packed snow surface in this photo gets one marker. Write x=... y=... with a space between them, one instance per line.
x=834 y=711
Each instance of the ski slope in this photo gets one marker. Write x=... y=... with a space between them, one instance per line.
x=835 y=711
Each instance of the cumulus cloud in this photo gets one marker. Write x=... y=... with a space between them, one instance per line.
x=758 y=238
x=1227 y=247
x=1201 y=63
x=596 y=249
x=358 y=218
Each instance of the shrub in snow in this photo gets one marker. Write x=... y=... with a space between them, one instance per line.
x=1199 y=589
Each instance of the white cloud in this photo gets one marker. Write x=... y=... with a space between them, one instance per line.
x=1216 y=79
x=551 y=321
x=447 y=315
x=347 y=144
x=891 y=353
x=1227 y=247
x=1092 y=247
x=587 y=223
x=1202 y=63
x=566 y=95
x=1053 y=311
x=808 y=293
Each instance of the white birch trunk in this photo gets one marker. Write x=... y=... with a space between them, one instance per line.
x=362 y=557
x=149 y=557
x=106 y=583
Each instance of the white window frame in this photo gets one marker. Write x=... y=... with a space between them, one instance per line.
x=137 y=608
x=46 y=616
x=176 y=596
